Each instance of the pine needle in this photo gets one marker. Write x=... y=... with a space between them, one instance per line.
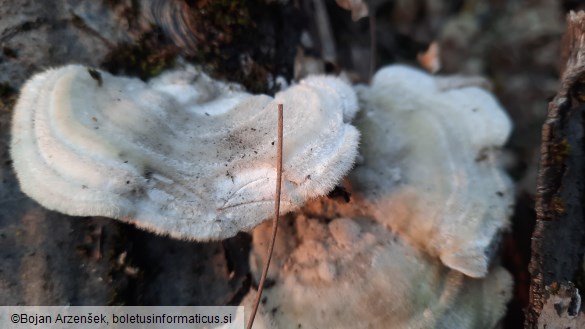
x=274 y=222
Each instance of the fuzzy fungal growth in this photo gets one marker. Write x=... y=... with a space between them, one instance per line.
x=354 y=273
x=431 y=168
x=181 y=154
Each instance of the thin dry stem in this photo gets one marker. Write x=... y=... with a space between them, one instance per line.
x=275 y=221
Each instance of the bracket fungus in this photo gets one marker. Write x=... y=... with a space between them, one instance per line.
x=431 y=170
x=354 y=273
x=181 y=154
x=413 y=248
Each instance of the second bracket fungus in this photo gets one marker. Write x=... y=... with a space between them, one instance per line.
x=431 y=170
x=182 y=154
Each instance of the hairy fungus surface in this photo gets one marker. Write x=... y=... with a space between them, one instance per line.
x=354 y=273
x=181 y=154
x=431 y=169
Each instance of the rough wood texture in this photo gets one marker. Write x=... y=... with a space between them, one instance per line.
x=559 y=236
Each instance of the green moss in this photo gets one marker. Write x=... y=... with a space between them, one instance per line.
x=245 y=41
x=560 y=151
x=558 y=205
x=250 y=42
x=220 y=26
x=145 y=59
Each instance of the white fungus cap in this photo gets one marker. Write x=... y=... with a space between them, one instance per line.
x=431 y=167
x=182 y=155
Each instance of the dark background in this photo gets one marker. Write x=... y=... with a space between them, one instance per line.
x=49 y=259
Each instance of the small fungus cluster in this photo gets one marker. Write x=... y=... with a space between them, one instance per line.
x=194 y=158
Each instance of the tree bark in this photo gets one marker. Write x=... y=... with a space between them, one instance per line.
x=559 y=237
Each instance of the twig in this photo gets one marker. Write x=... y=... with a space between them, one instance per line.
x=275 y=222
x=99 y=236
